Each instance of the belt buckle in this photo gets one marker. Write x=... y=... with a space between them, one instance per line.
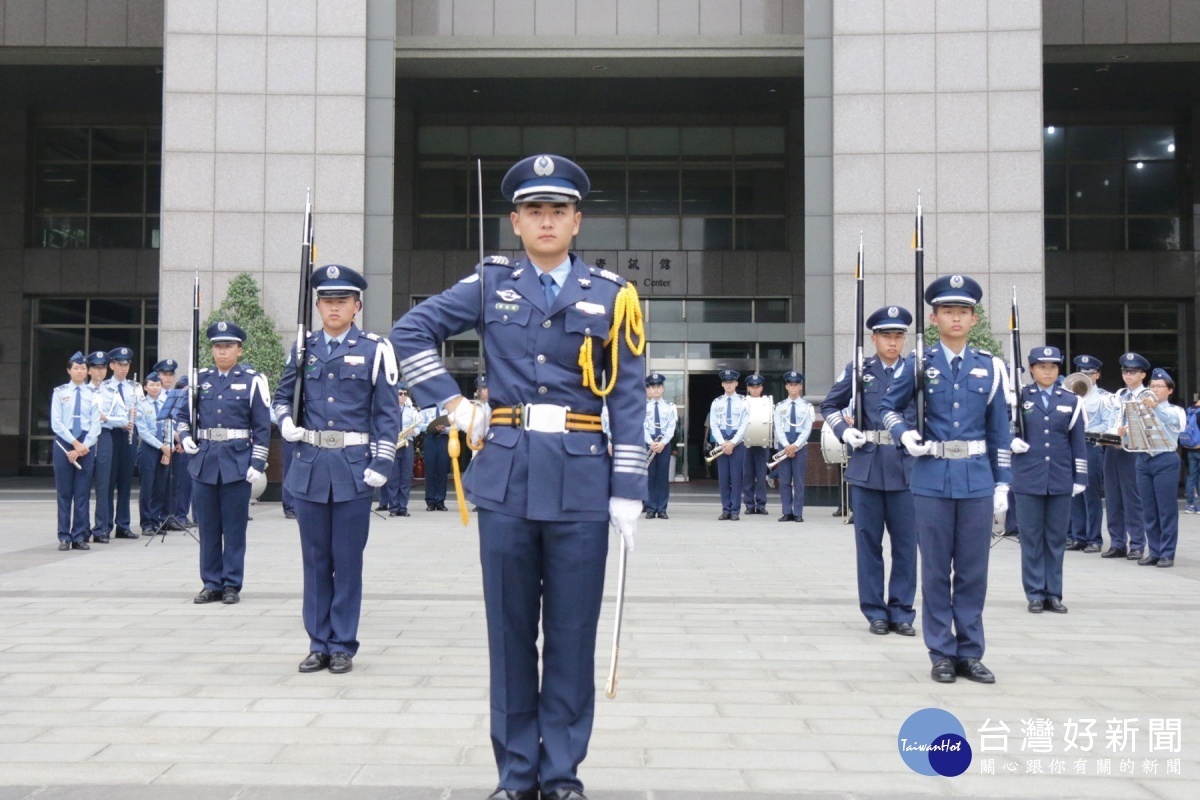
x=546 y=418
x=954 y=449
x=217 y=435
x=332 y=439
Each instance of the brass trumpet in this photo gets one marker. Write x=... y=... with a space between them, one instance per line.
x=1078 y=384
x=402 y=439
x=714 y=454
x=778 y=459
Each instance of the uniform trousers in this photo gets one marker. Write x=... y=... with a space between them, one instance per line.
x=121 y=478
x=874 y=508
x=152 y=491
x=1044 y=519
x=394 y=493
x=333 y=537
x=289 y=453
x=73 y=487
x=222 y=510
x=181 y=502
x=1158 y=485
x=101 y=477
x=1126 y=529
x=754 y=478
x=791 y=472
x=1191 y=487
x=553 y=571
x=1087 y=509
x=437 y=464
x=658 y=481
x=729 y=478
x=953 y=537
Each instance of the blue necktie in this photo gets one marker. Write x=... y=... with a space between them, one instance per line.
x=549 y=287
x=792 y=415
x=955 y=364
x=729 y=411
x=657 y=419
x=77 y=422
x=333 y=343
x=121 y=390
x=1045 y=401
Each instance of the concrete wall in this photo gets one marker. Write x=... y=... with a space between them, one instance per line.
x=1120 y=21
x=81 y=23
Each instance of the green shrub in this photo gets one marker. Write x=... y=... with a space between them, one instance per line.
x=263 y=348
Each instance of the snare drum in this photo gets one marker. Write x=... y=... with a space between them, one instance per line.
x=760 y=432
x=832 y=448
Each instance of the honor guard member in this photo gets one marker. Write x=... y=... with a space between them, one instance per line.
x=1158 y=474
x=659 y=430
x=1087 y=509
x=879 y=473
x=545 y=487
x=229 y=452
x=75 y=420
x=959 y=479
x=728 y=419
x=178 y=478
x=1122 y=502
x=288 y=455
x=181 y=501
x=754 y=460
x=394 y=494
x=793 y=424
x=154 y=455
x=1049 y=466
x=118 y=408
x=97 y=367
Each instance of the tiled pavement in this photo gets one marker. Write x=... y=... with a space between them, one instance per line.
x=747 y=670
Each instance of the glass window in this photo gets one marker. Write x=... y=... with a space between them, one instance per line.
x=117 y=188
x=61 y=188
x=62 y=144
x=115 y=232
x=654 y=191
x=719 y=311
x=444 y=190
x=1094 y=143
x=664 y=311
x=1152 y=188
x=435 y=140
x=441 y=234
x=665 y=349
x=706 y=144
x=761 y=191
x=1153 y=316
x=496 y=140
x=1154 y=234
x=1055 y=189
x=550 y=139
x=775 y=351
x=708 y=191
x=1161 y=349
x=467 y=348
x=653 y=143
x=1056 y=315
x=761 y=234
x=1098 y=316
x=599 y=141
x=1056 y=234
x=759 y=142
x=1098 y=234
x=608 y=192
x=731 y=350
x=60 y=231
x=602 y=233
x=153 y=189
x=62 y=312
x=115 y=312
x=1054 y=143
x=1149 y=142
x=775 y=310
x=654 y=233
x=118 y=144
x=1096 y=189
x=701 y=233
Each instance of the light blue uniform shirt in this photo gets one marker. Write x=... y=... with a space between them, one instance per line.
x=668 y=418
x=150 y=428
x=113 y=405
x=729 y=413
x=62 y=413
x=784 y=429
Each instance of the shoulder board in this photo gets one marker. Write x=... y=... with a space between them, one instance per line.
x=607 y=275
x=498 y=261
x=204 y=370
x=61 y=386
x=372 y=336
x=983 y=353
x=249 y=371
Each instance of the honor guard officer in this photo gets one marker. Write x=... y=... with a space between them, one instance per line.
x=435 y=449
x=1049 y=466
x=1158 y=475
x=97 y=367
x=545 y=487
x=181 y=502
x=394 y=494
x=178 y=481
x=75 y=420
x=119 y=397
x=1087 y=509
x=154 y=455
x=659 y=430
x=959 y=479
x=879 y=473
x=345 y=450
x=754 y=462
x=728 y=419
x=1126 y=534
x=229 y=452
x=793 y=424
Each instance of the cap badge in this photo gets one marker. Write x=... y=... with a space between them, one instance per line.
x=543 y=166
x=1047 y=352
x=893 y=312
x=332 y=272
x=221 y=326
x=1084 y=360
x=956 y=281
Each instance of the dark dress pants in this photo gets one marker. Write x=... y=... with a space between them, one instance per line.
x=73 y=488
x=873 y=509
x=222 y=510
x=1044 y=519
x=333 y=537
x=1126 y=528
x=1158 y=485
x=437 y=465
x=954 y=538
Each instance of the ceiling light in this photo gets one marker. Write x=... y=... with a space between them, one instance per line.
x=1171 y=148
x=599 y=68
x=1140 y=165
x=1050 y=130
x=91 y=60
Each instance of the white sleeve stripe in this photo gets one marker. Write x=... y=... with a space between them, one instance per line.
x=630 y=470
x=433 y=368
x=415 y=357
x=422 y=378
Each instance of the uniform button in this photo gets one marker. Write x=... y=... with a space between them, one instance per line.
x=218 y=411
x=330 y=423
x=546 y=324
x=1047 y=444
x=956 y=405
x=956 y=424
x=1047 y=430
x=331 y=374
x=491 y=435
x=956 y=386
x=542 y=390
x=1047 y=458
x=220 y=397
x=331 y=399
x=541 y=359
x=506 y=317
x=587 y=331
x=594 y=449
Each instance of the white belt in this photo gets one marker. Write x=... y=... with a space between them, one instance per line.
x=335 y=439
x=545 y=418
x=221 y=434
x=958 y=449
x=879 y=437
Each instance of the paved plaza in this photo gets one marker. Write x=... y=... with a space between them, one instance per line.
x=747 y=671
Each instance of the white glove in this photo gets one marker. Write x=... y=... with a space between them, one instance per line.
x=189 y=446
x=252 y=475
x=623 y=513
x=1078 y=488
x=374 y=479
x=1000 y=499
x=912 y=443
x=1019 y=446
x=854 y=437
x=289 y=431
x=474 y=428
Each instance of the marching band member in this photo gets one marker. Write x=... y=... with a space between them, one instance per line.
x=1126 y=536
x=1158 y=475
x=154 y=456
x=118 y=402
x=393 y=495
x=793 y=424
x=754 y=460
x=75 y=420
x=1087 y=509
x=659 y=431
x=728 y=419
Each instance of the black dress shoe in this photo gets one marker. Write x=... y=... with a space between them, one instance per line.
x=1148 y=561
x=902 y=628
x=1036 y=606
x=64 y=545
x=430 y=507
x=651 y=514
x=513 y=794
x=943 y=671
x=724 y=516
x=80 y=546
x=441 y=507
x=289 y=514
x=1133 y=555
x=1055 y=605
x=879 y=627
x=1074 y=544
x=663 y=515
x=564 y=793
x=207 y=596
x=1166 y=563
x=230 y=595
x=1113 y=552
x=734 y=517
x=801 y=519
x=314 y=662
x=398 y=512
x=1091 y=548
x=123 y=533
x=973 y=670
x=99 y=539
x=381 y=507
x=787 y=518
x=340 y=662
